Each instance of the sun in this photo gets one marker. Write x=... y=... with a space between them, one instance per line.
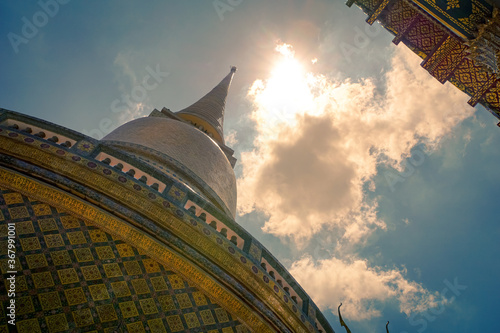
x=287 y=91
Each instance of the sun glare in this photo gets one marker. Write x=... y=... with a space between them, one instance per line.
x=287 y=92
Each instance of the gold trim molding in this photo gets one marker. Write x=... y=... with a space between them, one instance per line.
x=130 y=234
x=154 y=210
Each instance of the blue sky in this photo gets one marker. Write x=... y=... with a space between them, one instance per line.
x=375 y=185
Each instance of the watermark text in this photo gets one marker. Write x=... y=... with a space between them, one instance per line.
x=11 y=271
x=31 y=27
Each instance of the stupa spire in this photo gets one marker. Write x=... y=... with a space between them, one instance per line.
x=208 y=112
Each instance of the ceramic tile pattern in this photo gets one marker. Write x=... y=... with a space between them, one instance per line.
x=73 y=276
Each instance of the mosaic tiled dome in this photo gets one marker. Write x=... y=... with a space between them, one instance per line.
x=77 y=277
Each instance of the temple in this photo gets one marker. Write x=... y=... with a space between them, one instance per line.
x=458 y=40
x=135 y=232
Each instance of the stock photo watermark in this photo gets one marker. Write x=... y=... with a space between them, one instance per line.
x=421 y=320
x=361 y=40
x=409 y=167
x=31 y=27
x=137 y=95
x=10 y=285
x=223 y=6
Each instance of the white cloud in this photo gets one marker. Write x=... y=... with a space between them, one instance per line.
x=126 y=76
x=231 y=138
x=319 y=143
x=134 y=99
x=360 y=287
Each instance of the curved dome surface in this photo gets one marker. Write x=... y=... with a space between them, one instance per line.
x=189 y=146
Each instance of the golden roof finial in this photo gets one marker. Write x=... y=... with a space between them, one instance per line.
x=342 y=322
